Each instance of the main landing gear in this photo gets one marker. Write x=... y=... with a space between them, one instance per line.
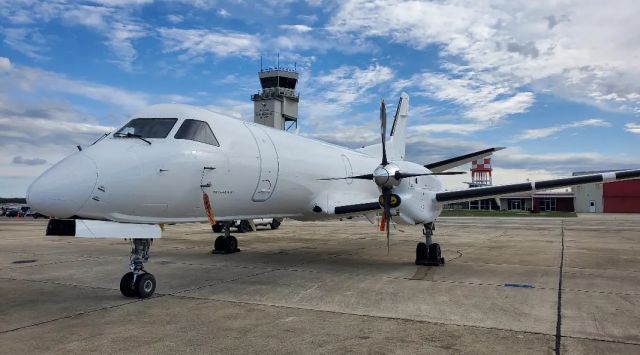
x=226 y=244
x=428 y=253
x=138 y=282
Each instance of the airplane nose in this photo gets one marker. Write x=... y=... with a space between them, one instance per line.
x=64 y=188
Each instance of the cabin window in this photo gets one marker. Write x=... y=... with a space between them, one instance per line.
x=148 y=127
x=198 y=131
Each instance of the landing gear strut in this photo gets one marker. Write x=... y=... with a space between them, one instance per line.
x=226 y=244
x=428 y=253
x=138 y=282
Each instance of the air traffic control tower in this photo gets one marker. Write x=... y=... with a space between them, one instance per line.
x=277 y=102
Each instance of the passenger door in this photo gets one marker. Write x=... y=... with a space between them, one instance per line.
x=269 y=165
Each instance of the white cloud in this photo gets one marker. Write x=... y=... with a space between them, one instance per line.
x=222 y=43
x=111 y=19
x=120 y=41
x=576 y=49
x=27 y=41
x=455 y=128
x=122 y=2
x=5 y=64
x=632 y=127
x=538 y=133
x=482 y=101
x=314 y=3
x=297 y=28
x=564 y=163
x=348 y=84
x=223 y=13
x=28 y=161
x=173 y=18
x=31 y=80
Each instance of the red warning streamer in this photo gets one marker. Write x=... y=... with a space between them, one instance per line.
x=207 y=208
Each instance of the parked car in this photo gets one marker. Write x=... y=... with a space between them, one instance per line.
x=14 y=212
x=244 y=226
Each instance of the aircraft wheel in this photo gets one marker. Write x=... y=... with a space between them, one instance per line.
x=421 y=253
x=244 y=226
x=126 y=285
x=275 y=224
x=231 y=245
x=217 y=228
x=219 y=243
x=435 y=253
x=145 y=285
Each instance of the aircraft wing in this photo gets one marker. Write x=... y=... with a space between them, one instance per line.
x=493 y=191
x=451 y=163
x=357 y=208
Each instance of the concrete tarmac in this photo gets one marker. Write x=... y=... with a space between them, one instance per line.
x=330 y=287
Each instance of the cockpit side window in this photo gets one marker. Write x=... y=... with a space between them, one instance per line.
x=148 y=127
x=198 y=131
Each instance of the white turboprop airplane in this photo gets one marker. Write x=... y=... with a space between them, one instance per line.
x=177 y=163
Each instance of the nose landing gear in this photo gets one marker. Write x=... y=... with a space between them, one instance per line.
x=138 y=282
x=428 y=253
x=226 y=244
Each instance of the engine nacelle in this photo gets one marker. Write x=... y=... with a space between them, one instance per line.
x=418 y=207
x=418 y=198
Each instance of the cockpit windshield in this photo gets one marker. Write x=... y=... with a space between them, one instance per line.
x=147 y=127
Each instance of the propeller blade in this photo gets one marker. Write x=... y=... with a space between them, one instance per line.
x=386 y=197
x=361 y=177
x=388 y=253
x=383 y=131
x=399 y=175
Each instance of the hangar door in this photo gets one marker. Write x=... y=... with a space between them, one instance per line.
x=269 y=165
x=621 y=197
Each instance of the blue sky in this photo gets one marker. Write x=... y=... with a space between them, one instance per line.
x=556 y=82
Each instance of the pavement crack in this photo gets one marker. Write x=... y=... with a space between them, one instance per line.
x=69 y=316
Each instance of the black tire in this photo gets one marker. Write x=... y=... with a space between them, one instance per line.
x=126 y=285
x=275 y=224
x=217 y=228
x=244 y=226
x=434 y=252
x=231 y=245
x=145 y=285
x=219 y=243
x=421 y=253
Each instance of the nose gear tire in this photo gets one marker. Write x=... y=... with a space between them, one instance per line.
x=225 y=245
x=145 y=285
x=429 y=255
x=126 y=285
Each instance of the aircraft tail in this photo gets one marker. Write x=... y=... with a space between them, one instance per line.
x=397 y=142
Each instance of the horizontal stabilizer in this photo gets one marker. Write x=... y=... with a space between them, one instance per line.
x=493 y=191
x=451 y=163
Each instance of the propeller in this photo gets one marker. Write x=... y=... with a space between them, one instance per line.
x=386 y=191
x=388 y=175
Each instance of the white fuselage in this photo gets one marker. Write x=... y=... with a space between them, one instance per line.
x=255 y=172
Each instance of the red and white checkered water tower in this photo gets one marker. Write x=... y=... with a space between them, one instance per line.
x=481 y=173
